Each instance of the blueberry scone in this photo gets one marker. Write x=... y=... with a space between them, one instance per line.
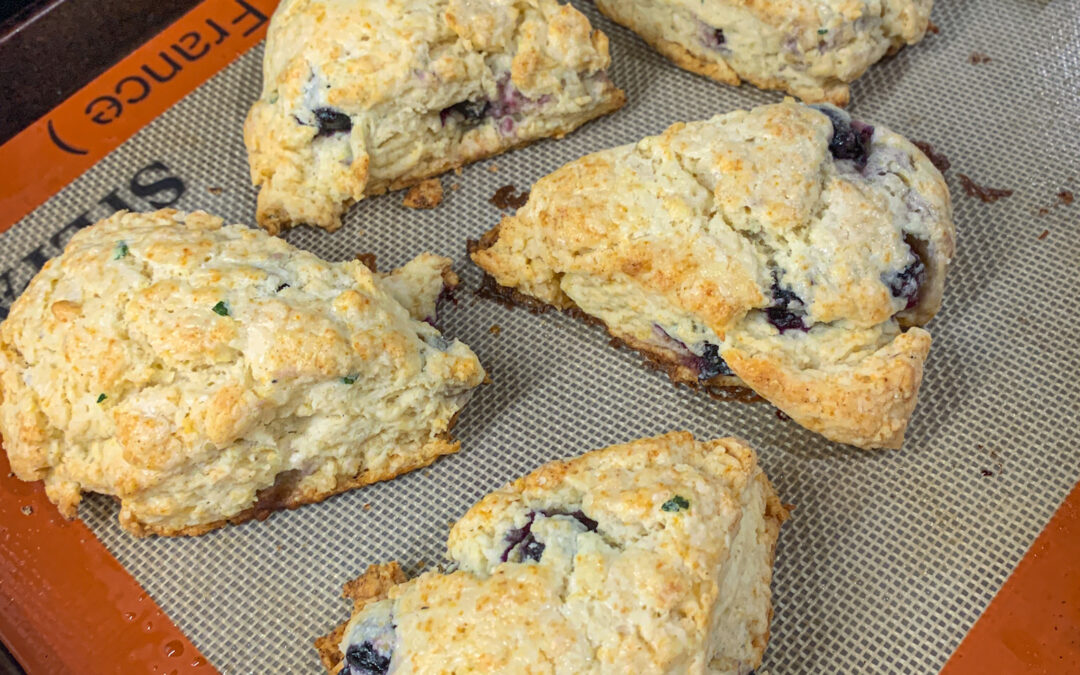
x=360 y=97
x=790 y=250
x=809 y=48
x=203 y=373
x=650 y=557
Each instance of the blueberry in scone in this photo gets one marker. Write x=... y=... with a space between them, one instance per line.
x=812 y=49
x=360 y=97
x=203 y=373
x=788 y=249
x=650 y=557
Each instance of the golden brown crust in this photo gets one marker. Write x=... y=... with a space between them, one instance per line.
x=656 y=358
x=285 y=496
x=371 y=586
x=869 y=406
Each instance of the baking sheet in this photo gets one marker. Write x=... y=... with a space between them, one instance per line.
x=889 y=557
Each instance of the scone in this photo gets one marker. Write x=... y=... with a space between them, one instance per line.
x=360 y=96
x=810 y=48
x=650 y=557
x=787 y=249
x=204 y=374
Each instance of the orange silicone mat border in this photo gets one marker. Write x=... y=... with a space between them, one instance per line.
x=59 y=147
x=1033 y=623
x=68 y=605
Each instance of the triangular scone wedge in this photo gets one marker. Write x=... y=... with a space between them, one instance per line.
x=650 y=557
x=788 y=249
x=204 y=374
x=364 y=96
x=812 y=49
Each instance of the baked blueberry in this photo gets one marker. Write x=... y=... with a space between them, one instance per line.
x=850 y=139
x=472 y=112
x=331 y=122
x=711 y=364
x=532 y=550
x=787 y=309
x=906 y=282
x=713 y=38
x=366 y=659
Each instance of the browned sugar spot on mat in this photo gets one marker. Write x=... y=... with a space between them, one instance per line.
x=987 y=195
x=215 y=190
x=932 y=27
x=507 y=197
x=938 y=159
x=495 y=329
x=978 y=57
x=1065 y=197
x=1044 y=235
x=781 y=415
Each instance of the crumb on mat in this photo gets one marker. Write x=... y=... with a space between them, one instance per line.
x=424 y=195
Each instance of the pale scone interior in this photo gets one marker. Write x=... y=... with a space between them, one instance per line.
x=202 y=373
x=650 y=557
x=360 y=97
x=791 y=250
x=812 y=49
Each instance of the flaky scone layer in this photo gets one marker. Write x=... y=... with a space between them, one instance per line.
x=812 y=49
x=205 y=374
x=787 y=249
x=360 y=97
x=649 y=557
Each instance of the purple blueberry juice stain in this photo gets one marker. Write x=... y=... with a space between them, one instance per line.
x=787 y=310
x=331 y=122
x=713 y=38
x=532 y=549
x=507 y=102
x=850 y=138
x=366 y=659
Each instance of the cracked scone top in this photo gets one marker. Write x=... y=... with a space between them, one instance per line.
x=787 y=249
x=650 y=557
x=810 y=48
x=203 y=373
x=361 y=96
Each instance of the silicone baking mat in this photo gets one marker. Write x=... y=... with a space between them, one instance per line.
x=889 y=558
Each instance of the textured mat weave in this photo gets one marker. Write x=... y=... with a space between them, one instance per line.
x=890 y=556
